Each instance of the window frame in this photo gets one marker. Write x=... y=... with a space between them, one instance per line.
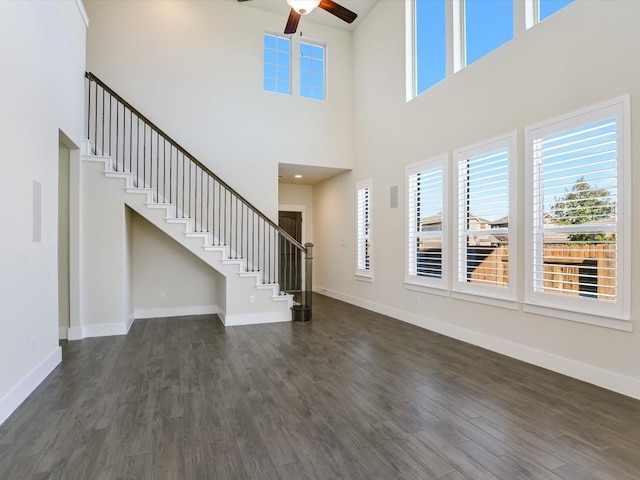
x=504 y=296
x=313 y=43
x=413 y=19
x=532 y=13
x=414 y=280
x=615 y=314
x=460 y=35
x=367 y=236
x=264 y=63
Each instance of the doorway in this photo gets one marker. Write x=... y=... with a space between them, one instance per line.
x=290 y=258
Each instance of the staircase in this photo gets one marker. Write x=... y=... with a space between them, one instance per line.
x=132 y=162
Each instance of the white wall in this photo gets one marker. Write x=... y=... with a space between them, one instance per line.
x=105 y=255
x=41 y=92
x=195 y=69
x=168 y=280
x=300 y=196
x=585 y=54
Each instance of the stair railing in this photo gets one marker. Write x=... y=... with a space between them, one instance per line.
x=175 y=177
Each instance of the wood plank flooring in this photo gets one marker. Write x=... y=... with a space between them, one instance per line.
x=351 y=395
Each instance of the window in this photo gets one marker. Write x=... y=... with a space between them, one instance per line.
x=549 y=7
x=277 y=64
x=312 y=71
x=576 y=212
x=538 y=10
x=363 y=200
x=486 y=230
x=430 y=43
x=426 y=223
x=487 y=25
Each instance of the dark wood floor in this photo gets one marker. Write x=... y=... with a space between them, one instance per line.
x=352 y=395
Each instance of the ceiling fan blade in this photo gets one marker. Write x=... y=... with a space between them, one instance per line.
x=338 y=10
x=292 y=22
x=244 y=0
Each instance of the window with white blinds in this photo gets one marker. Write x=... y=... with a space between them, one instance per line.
x=363 y=201
x=485 y=224
x=575 y=210
x=426 y=223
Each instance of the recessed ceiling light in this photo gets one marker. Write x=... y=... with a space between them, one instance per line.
x=298 y=176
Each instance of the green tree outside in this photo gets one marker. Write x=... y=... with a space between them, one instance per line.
x=584 y=204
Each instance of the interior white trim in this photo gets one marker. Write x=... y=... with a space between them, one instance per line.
x=175 y=311
x=62 y=333
x=237 y=319
x=99 y=330
x=28 y=384
x=83 y=12
x=587 y=373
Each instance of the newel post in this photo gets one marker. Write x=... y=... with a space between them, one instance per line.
x=308 y=276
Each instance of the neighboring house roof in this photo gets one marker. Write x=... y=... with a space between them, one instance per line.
x=432 y=219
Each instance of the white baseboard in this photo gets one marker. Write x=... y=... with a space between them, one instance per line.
x=99 y=330
x=597 y=376
x=238 y=319
x=175 y=312
x=28 y=384
x=62 y=333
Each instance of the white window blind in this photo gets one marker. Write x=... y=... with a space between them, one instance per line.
x=575 y=199
x=484 y=216
x=363 y=193
x=426 y=222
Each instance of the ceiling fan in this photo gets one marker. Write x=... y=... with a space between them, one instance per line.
x=303 y=7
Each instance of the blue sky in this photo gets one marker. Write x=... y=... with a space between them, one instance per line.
x=488 y=24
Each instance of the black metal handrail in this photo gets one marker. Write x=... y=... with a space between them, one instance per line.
x=178 y=179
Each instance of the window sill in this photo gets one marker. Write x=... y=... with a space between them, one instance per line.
x=571 y=315
x=486 y=300
x=364 y=278
x=418 y=287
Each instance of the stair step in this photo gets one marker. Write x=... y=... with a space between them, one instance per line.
x=233 y=261
x=112 y=174
x=186 y=221
x=158 y=205
x=282 y=298
x=215 y=248
x=146 y=191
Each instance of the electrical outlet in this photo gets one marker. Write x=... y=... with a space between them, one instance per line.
x=163 y=294
x=417 y=300
x=252 y=299
x=331 y=281
x=33 y=344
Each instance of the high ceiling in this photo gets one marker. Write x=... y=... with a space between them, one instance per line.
x=361 y=7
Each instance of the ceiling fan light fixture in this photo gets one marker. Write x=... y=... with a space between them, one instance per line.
x=303 y=6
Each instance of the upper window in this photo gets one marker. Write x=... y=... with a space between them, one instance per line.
x=487 y=25
x=312 y=70
x=486 y=246
x=538 y=10
x=426 y=223
x=277 y=64
x=430 y=43
x=363 y=200
x=576 y=206
x=549 y=7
